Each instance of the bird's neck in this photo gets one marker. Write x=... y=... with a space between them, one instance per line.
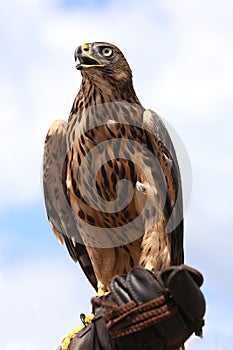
x=95 y=93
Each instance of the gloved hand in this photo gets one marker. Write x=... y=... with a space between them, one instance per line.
x=146 y=310
x=157 y=310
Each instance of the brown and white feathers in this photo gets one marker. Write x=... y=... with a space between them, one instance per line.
x=111 y=178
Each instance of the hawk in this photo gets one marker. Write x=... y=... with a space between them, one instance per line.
x=112 y=185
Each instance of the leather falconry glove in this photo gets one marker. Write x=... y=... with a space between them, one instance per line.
x=146 y=310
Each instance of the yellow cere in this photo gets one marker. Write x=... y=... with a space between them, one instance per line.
x=85 y=47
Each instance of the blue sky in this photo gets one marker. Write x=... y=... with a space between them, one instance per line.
x=73 y=5
x=181 y=54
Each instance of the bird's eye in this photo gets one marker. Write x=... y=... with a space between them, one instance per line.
x=106 y=51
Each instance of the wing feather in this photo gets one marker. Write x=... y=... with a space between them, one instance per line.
x=174 y=202
x=59 y=212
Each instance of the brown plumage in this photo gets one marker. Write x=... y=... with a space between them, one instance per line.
x=108 y=225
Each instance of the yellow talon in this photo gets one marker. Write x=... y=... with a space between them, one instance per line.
x=88 y=318
x=149 y=267
x=101 y=291
x=66 y=342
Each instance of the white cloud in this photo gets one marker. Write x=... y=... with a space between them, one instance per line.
x=182 y=69
x=17 y=347
x=40 y=303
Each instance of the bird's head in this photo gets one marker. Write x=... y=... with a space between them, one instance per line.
x=102 y=60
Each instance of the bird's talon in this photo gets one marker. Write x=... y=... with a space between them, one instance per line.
x=86 y=319
x=66 y=342
x=101 y=291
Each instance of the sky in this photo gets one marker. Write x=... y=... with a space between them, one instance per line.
x=181 y=54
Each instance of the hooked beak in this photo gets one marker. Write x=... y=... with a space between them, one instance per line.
x=83 y=59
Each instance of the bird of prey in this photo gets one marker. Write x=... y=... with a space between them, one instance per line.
x=112 y=185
